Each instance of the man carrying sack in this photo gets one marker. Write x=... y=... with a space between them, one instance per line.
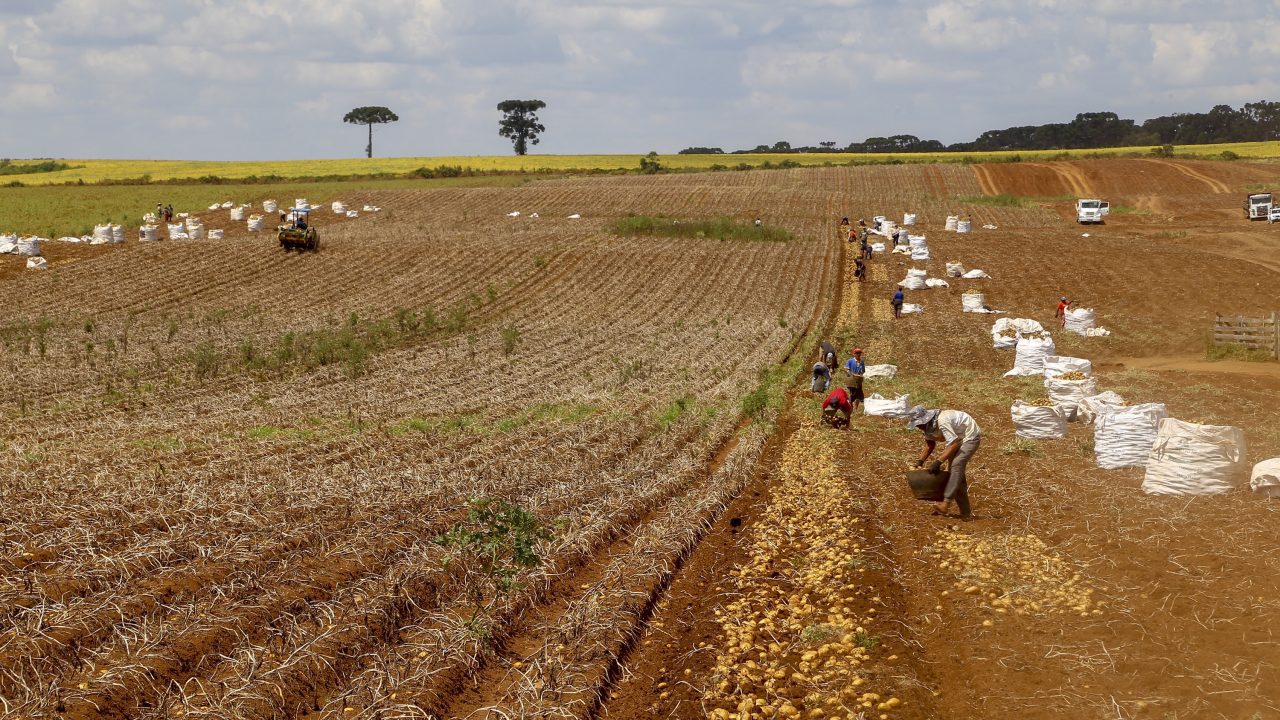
x=962 y=437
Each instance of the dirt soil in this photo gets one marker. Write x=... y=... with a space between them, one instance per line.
x=1144 y=606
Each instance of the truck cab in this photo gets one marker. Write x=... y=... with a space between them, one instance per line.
x=1258 y=206
x=1092 y=210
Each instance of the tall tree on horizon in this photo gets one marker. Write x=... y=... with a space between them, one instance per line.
x=520 y=123
x=370 y=115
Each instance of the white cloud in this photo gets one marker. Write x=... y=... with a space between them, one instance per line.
x=618 y=75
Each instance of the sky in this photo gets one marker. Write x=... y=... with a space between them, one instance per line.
x=272 y=79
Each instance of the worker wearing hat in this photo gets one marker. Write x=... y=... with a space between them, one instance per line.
x=1063 y=305
x=962 y=437
x=856 y=369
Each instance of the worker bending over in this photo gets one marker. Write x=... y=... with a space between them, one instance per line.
x=836 y=409
x=962 y=437
x=1063 y=305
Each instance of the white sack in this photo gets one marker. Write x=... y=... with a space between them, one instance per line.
x=952 y=221
x=215 y=234
x=975 y=274
x=909 y=219
x=1069 y=393
x=884 y=407
x=1097 y=332
x=148 y=233
x=37 y=263
x=1018 y=325
x=1031 y=352
x=1190 y=459
x=1104 y=402
x=339 y=208
x=8 y=248
x=936 y=282
x=227 y=205
x=1038 y=423
x=237 y=214
x=1079 y=321
x=912 y=309
x=955 y=269
x=1265 y=478
x=353 y=214
x=29 y=246
x=1123 y=437
x=1055 y=365
x=920 y=253
x=973 y=302
x=913 y=282
x=270 y=206
x=256 y=223
x=964 y=226
x=880 y=371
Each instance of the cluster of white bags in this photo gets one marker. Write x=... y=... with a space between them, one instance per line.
x=1189 y=459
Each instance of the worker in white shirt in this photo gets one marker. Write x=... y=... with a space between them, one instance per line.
x=961 y=436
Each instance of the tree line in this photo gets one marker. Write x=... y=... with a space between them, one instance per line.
x=1259 y=121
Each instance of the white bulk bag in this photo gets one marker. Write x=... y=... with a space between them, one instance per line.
x=148 y=233
x=1055 y=365
x=880 y=371
x=976 y=274
x=353 y=214
x=964 y=226
x=69 y=239
x=912 y=309
x=1031 y=352
x=117 y=234
x=877 y=247
x=1017 y=325
x=37 y=263
x=935 y=282
x=1265 y=478
x=918 y=240
x=1037 y=422
x=256 y=223
x=908 y=219
x=215 y=234
x=339 y=208
x=885 y=407
x=914 y=280
x=952 y=222
x=920 y=253
x=955 y=269
x=29 y=246
x=195 y=231
x=8 y=248
x=227 y=205
x=301 y=204
x=1123 y=437
x=1069 y=393
x=102 y=233
x=270 y=206
x=215 y=206
x=973 y=303
x=176 y=229
x=1079 y=321
x=1190 y=459
x=1091 y=407
x=237 y=214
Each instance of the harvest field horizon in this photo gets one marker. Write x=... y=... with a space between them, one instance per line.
x=121 y=170
x=547 y=448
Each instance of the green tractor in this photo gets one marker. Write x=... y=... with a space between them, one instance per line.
x=298 y=234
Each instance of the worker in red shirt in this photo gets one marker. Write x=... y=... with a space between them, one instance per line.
x=836 y=409
x=1063 y=305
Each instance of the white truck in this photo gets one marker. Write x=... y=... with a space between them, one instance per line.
x=1258 y=206
x=1092 y=211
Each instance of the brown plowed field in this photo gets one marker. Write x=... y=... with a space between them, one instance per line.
x=228 y=466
